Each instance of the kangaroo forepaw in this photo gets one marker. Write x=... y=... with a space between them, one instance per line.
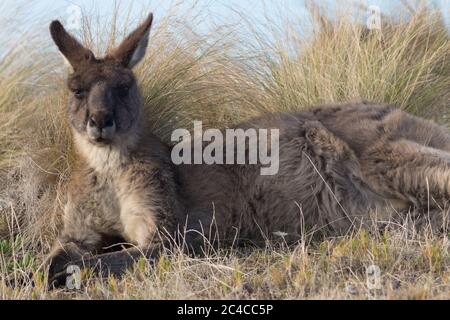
x=59 y=261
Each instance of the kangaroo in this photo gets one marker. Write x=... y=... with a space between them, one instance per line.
x=338 y=165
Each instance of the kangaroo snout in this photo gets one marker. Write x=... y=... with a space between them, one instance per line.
x=101 y=120
x=101 y=127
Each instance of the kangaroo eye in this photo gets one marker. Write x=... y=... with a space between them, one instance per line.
x=122 y=91
x=79 y=94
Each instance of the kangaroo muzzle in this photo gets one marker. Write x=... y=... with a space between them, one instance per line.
x=101 y=127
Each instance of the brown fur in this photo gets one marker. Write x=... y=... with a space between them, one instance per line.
x=339 y=165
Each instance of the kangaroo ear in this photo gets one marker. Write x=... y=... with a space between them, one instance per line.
x=71 y=49
x=133 y=47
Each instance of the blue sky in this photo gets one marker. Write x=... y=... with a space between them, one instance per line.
x=216 y=8
x=219 y=11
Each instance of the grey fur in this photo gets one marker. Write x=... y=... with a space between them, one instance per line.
x=339 y=166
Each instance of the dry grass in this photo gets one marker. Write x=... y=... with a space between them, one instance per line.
x=332 y=269
x=222 y=77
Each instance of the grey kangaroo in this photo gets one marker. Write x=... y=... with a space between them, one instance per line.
x=338 y=167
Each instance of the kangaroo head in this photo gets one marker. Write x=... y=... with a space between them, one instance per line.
x=105 y=103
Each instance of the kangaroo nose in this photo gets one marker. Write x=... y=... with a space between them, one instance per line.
x=101 y=121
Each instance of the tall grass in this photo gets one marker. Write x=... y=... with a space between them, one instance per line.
x=222 y=76
x=403 y=63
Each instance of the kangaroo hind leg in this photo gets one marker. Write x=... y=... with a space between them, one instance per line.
x=410 y=172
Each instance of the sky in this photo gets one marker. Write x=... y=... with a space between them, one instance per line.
x=20 y=12
x=62 y=9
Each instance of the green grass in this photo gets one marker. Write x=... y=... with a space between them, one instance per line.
x=224 y=76
x=410 y=268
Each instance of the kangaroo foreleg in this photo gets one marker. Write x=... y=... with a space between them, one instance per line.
x=115 y=263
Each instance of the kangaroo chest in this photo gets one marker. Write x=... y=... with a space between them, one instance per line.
x=128 y=206
x=105 y=196
x=129 y=190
